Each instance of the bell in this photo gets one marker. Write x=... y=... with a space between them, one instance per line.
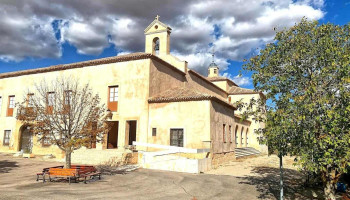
x=156 y=47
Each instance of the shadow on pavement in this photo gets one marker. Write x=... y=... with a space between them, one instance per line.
x=6 y=166
x=267 y=183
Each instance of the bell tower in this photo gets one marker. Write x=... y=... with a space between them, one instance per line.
x=213 y=70
x=157 y=38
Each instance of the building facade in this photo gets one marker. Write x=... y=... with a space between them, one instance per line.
x=155 y=100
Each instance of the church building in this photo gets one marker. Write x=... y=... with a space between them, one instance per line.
x=170 y=116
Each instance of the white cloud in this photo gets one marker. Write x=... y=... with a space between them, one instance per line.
x=89 y=38
x=26 y=26
x=238 y=79
x=200 y=62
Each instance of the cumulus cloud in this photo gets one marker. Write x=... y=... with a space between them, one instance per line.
x=235 y=27
x=200 y=61
x=239 y=79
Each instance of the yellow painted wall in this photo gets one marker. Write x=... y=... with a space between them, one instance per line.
x=220 y=115
x=132 y=78
x=163 y=78
x=252 y=138
x=204 y=86
x=222 y=84
x=192 y=116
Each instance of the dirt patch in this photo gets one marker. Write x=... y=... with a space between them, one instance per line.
x=263 y=173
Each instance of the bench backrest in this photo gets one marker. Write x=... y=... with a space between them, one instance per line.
x=47 y=169
x=87 y=170
x=63 y=172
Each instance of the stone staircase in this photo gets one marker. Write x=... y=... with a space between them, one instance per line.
x=246 y=151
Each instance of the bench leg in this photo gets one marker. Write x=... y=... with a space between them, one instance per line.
x=37 y=177
x=44 y=178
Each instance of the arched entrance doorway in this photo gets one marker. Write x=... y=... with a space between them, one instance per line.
x=26 y=142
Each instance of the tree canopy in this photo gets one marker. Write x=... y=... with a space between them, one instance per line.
x=65 y=113
x=305 y=74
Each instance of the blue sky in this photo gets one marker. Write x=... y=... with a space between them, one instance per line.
x=65 y=32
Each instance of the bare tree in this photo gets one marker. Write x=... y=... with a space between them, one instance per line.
x=65 y=113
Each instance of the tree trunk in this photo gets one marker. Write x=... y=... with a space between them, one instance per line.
x=329 y=190
x=68 y=160
x=281 y=178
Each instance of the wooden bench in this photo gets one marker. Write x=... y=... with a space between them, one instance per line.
x=75 y=172
x=87 y=171
x=63 y=173
x=41 y=175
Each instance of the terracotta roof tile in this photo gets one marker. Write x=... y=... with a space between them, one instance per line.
x=101 y=61
x=239 y=90
x=205 y=79
x=179 y=94
x=220 y=78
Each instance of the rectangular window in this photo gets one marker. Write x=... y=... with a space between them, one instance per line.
x=154 y=131
x=46 y=141
x=113 y=98
x=51 y=98
x=7 y=136
x=229 y=134
x=67 y=97
x=50 y=102
x=30 y=101
x=177 y=137
x=224 y=132
x=11 y=106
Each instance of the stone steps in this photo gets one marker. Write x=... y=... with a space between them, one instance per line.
x=246 y=151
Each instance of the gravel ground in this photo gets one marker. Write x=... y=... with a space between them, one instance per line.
x=253 y=178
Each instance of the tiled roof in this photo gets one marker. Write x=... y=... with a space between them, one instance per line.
x=220 y=78
x=179 y=94
x=239 y=90
x=114 y=59
x=205 y=79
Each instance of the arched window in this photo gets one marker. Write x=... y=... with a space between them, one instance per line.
x=156 y=46
x=236 y=136
x=242 y=135
x=246 y=136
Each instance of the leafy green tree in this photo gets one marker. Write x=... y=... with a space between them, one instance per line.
x=305 y=74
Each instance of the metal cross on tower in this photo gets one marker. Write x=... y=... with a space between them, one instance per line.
x=213 y=54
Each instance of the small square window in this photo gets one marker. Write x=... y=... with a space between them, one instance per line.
x=154 y=131
x=46 y=141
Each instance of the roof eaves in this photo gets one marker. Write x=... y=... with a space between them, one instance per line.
x=101 y=61
x=203 y=78
x=157 y=21
x=190 y=98
x=167 y=64
x=224 y=79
